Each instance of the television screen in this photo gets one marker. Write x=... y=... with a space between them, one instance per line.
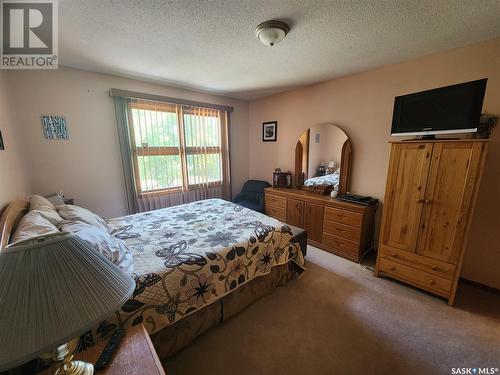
x=451 y=109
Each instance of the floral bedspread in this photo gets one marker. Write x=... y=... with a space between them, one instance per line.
x=188 y=256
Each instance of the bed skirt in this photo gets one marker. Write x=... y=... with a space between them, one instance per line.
x=176 y=337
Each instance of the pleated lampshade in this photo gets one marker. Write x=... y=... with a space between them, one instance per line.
x=51 y=291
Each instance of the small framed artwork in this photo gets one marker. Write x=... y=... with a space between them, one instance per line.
x=269 y=131
x=54 y=127
x=2 y=146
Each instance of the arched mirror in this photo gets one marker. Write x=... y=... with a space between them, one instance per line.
x=323 y=157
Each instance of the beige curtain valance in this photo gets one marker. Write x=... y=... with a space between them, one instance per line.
x=166 y=99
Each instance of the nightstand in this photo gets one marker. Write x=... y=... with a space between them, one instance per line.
x=136 y=355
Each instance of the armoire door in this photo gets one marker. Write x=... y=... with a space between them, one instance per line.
x=448 y=197
x=313 y=221
x=295 y=212
x=403 y=204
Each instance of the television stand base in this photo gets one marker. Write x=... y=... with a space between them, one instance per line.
x=421 y=138
x=429 y=138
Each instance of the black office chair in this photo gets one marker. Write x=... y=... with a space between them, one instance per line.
x=252 y=195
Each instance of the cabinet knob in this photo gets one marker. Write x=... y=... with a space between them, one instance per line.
x=432 y=282
x=434 y=267
x=394 y=255
x=420 y=201
x=427 y=201
x=393 y=268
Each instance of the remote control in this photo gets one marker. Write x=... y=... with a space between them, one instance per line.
x=107 y=353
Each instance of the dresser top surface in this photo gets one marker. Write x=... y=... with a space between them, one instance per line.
x=319 y=199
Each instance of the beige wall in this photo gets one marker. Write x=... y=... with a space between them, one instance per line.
x=13 y=180
x=362 y=104
x=88 y=165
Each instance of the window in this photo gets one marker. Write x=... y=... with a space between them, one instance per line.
x=176 y=147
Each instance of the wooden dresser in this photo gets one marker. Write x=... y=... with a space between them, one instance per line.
x=429 y=200
x=342 y=228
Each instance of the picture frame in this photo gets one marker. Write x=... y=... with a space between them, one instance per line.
x=2 y=145
x=269 y=131
x=54 y=127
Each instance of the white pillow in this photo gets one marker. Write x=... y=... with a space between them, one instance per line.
x=32 y=225
x=111 y=247
x=75 y=213
x=45 y=209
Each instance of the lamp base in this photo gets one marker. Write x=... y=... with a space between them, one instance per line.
x=76 y=368
x=66 y=366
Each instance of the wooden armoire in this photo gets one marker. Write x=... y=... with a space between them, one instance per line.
x=429 y=200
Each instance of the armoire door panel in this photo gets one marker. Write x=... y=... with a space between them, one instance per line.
x=295 y=212
x=448 y=197
x=313 y=221
x=408 y=171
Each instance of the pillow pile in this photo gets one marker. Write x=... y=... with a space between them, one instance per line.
x=45 y=209
x=32 y=225
x=111 y=247
x=75 y=213
x=94 y=230
x=44 y=219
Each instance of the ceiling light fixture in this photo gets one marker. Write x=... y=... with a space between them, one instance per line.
x=271 y=32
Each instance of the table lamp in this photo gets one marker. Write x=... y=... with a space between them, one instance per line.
x=331 y=166
x=52 y=289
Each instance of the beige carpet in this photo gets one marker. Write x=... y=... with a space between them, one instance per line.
x=340 y=319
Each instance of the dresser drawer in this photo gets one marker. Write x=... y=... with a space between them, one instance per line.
x=341 y=243
x=277 y=213
x=416 y=277
x=342 y=230
x=343 y=216
x=276 y=201
x=423 y=263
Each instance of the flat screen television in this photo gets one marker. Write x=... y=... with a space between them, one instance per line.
x=445 y=110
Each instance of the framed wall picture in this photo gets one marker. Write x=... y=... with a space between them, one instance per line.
x=54 y=127
x=2 y=146
x=269 y=131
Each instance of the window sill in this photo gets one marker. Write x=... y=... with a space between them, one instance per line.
x=179 y=189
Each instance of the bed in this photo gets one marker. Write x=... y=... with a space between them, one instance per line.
x=328 y=179
x=195 y=265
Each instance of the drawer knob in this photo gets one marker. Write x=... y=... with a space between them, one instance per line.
x=394 y=255
x=432 y=282
x=393 y=268
x=434 y=267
